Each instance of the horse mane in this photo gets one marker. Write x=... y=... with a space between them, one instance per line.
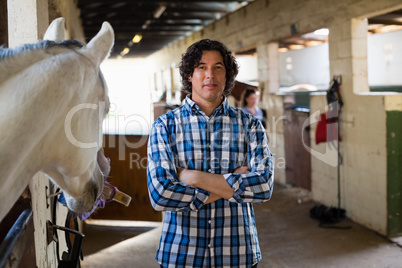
x=6 y=53
x=12 y=61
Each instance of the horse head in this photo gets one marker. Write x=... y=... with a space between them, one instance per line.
x=55 y=99
x=79 y=164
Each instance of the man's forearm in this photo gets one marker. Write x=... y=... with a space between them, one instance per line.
x=213 y=183
x=212 y=198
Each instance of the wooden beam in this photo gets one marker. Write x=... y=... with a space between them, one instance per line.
x=166 y=1
x=384 y=21
x=3 y=24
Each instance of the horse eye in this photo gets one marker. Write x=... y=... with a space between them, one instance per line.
x=107 y=107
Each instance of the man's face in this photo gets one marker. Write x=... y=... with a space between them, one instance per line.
x=209 y=78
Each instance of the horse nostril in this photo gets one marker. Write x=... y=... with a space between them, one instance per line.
x=95 y=194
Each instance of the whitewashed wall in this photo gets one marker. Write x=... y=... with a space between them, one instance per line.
x=305 y=66
x=384 y=58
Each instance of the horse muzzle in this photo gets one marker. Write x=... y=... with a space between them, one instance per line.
x=87 y=201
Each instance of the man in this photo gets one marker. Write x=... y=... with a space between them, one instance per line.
x=207 y=163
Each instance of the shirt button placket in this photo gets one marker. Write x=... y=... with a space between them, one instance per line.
x=212 y=234
x=211 y=142
x=210 y=165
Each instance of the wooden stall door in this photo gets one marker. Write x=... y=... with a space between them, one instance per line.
x=298 y=159
x=128 y=155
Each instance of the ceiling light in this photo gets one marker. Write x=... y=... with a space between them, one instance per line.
x=146 y=23
x=125 y=51
x=295 y=47
x=282 y=49
x=312 y=43
x=322 y=31
x=159 y=11
x=387 y=28
x=109 y=15
x=137 y=38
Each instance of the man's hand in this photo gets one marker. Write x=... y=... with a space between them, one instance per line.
x=184 y=175
x=241 y=170
x=213 y=183
x=191 y=177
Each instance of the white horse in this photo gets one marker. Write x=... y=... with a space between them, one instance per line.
x=53 y=100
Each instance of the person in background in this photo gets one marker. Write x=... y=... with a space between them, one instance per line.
x=207 y=164
x=250 y=101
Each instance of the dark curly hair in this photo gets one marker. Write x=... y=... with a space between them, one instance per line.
x=191 y=59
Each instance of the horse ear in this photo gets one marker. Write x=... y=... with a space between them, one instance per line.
x=99 y=47
x=55 y=31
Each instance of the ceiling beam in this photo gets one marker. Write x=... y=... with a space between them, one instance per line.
x=130 y=17
x=385 y=21
x=88 y=2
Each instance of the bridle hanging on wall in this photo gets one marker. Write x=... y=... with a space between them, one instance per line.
x=71 y=257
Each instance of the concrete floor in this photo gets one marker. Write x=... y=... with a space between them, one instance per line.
x=288 y=238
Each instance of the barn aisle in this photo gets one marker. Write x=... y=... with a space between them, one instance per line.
x=288 y=238
x=130 y=244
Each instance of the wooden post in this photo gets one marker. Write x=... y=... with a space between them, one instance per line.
x=27 y=21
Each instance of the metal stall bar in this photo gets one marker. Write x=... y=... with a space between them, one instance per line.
x=12 y=237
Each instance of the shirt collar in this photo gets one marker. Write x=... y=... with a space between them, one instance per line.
x=192 y=107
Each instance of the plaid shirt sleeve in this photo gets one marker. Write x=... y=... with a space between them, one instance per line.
x=256 y=186
x=165 y=191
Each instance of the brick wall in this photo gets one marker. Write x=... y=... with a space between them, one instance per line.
x=363 y=124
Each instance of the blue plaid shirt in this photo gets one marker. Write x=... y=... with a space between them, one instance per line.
x=222 y=233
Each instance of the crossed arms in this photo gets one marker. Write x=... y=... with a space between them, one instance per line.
x=213 y=183
x=174 y=188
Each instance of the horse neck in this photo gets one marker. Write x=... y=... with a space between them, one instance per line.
x=15 y=180
x=37 y=100
x=37 y=92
